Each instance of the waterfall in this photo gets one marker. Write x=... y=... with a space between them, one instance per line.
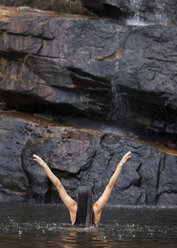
x=160 y=17
x=136 y=21
x=137 y=5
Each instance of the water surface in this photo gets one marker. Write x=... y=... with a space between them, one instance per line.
x=41 y=226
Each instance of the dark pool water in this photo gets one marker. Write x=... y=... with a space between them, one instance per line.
x=42 y=226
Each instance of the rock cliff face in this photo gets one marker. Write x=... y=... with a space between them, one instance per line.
x=77 y=156
x=68 y=67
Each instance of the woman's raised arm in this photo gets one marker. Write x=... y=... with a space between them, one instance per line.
x=101 y=202
x=68 y=201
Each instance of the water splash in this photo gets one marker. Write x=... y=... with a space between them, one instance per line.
x=27 y=226
x=114 y=231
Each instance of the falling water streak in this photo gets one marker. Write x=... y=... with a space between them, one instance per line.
x=118 y=105
x=115 y=102
x=115 y=99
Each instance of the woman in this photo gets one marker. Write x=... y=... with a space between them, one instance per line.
x=84 y=212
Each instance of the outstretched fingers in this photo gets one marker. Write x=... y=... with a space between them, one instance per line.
x=128 y=154
x=36 y=158
x=125 y=157
x=39 y=160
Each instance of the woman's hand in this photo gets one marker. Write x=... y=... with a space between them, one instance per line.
x=39 y=160
x=124 y=159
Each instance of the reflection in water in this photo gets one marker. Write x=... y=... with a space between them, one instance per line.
x=41 y=226
x=81 y=240
x=78 y=238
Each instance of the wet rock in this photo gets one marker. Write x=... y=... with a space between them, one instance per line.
x=156 y=103
x=42 y=63
x=78 y=156
x=53 y=63
x=167 y=181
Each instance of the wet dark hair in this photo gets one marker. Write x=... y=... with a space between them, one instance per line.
x=84 y=215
